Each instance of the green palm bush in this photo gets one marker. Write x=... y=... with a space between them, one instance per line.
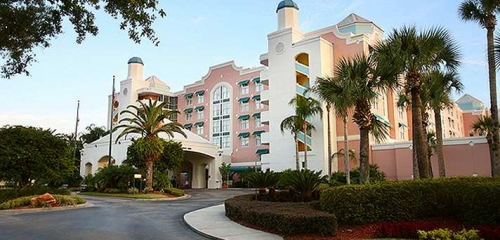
x=264 y=180
x=305 y=182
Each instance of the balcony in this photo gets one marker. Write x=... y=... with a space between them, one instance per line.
x=264 y=97
x=301 y=90
x=264 y=77
x=301 y=139
x=264 y=138
x=264 y=59
x=264 y=117
x=301 y=68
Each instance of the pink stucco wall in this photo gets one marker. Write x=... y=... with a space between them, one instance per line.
x=229 y=74
x=460 y=160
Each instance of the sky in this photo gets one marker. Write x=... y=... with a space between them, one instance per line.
x=196 y=35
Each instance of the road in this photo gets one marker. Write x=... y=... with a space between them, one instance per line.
x=111 y=219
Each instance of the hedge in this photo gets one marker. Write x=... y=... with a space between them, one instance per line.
x=472 y=200
x=174 y=191
x=284 y=217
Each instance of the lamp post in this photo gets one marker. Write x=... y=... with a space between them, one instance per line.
x=471 y=144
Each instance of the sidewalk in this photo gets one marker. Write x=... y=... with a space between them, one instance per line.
x=212 y=222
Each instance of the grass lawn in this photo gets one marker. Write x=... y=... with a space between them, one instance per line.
x=125 y=195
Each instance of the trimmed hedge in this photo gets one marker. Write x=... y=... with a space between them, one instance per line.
x=284 y=217
x=472 y=200
x=174 y=191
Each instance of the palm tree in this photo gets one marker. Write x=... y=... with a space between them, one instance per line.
x=304 y=109
x=294 y=124
x=484 y=125
x=333 y=93
x=432 y=147
x=149 y=120
x=438 y=87
x=414 y=53
x=93 y=133
x=483 y=12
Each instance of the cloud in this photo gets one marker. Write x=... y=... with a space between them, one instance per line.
x=62 y=124
x=474 y=62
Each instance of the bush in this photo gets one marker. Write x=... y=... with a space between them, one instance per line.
x=9 y=194
x=304 y=182
x=62 y=200
x=448 y=234
x=133 y=190
x=339 y=178
x=174 y=191
x=286 y=218
x=407 y=230
x=263 y=180
x=113 y=176
x=460 y=198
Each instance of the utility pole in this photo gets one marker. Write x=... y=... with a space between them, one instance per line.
x=111 y=120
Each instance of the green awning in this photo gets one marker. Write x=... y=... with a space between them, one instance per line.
x=256 y=115
x=244 y=99
x=258 y=133
x=256 y=97
x=244 y=169
x=188 y=95
x=198 y=124
x=200 y=92
x=199 y=108
x=244 y=135
x=188 y=110
x=189 y=125
x=256 y=80
x=244 y=117
x=262 y=151
x=402 y=125
x=244 y=82
x=382 y=119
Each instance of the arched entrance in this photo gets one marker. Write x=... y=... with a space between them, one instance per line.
x=185 y=175
x=103 y=162
x=88 y=168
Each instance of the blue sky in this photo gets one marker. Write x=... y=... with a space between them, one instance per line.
x=196 y=35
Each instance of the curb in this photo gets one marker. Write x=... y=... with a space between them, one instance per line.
x=46 y=209
x=196 y=230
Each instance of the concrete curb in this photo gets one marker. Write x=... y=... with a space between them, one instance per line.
x=45 y=209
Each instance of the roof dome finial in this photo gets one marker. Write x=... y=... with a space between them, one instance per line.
x=287 y=3
x=136 y=60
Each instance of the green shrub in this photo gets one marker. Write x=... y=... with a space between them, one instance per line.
x=113 y=176
x=263 y=180
x=460 y=198
x=304 y=182
x=448 y=234
x=285 y=217
x=9 y=194
x=22 y=201
x=339 y=178
x=62 y=200
x=161 y=180
x=133 y=190
x=174 y=191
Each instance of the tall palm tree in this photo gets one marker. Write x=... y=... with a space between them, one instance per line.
x=413 y=53
x=93 y=133
x=333 y=93
x=305 y=108
x=295 y=125
x=484 y=126
x=483 y=12
x=149 y=120
x=439 y=86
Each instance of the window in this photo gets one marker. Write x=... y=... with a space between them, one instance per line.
x=189 y=101
x=258 y=104
x=401 y=132
x=400 y=113
x=259 y=87
x=244 y=89
x=221 y=118
x=375 y=103
x=244 y=141
x=189 y=116
x=244 y=124
x=201 y=98
x=258 y=123
x=258 y=140
x=384 y=104
x=200 y=114
x=199 y=130
x=244 y=107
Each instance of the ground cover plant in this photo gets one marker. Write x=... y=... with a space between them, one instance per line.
x=61 y=200
x=13 y=193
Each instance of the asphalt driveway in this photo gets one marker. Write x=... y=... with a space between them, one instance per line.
x=111 y=219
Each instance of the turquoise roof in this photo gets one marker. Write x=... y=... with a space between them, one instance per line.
x=136 y=60
x=287 y=3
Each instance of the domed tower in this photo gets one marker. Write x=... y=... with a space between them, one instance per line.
x=288 y=14
x=135 y=66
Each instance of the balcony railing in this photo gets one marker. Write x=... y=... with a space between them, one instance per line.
x=301 y=90
x=299 y=67
x=301 y=138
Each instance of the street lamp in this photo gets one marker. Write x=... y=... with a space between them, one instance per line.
x=471 y=144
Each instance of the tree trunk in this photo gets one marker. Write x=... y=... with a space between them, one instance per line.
x=420 y=140
x=416 y=174
x=346 y=154
x=305 y=142
x=425 y=123
x=329 y=139
x=364 y=162
x=297 y=159
x=439 y=142
x=149 y=174
x=495 y=159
